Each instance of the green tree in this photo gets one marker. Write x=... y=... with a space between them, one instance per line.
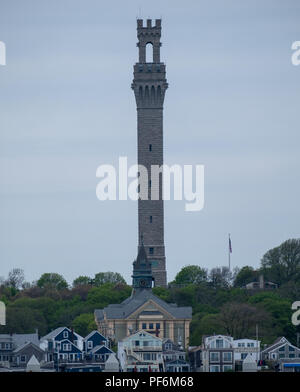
x=280 y=310
x=244 y=276
x=240 y=319
x=84 y=324
x=220 y=277
x=107 y=294
x=208 y=324
x=82 y=281
x=108 y=277
x=52 y=280
x=191 y=274
x=282 y=264
x=23 y=320
x=16 y=278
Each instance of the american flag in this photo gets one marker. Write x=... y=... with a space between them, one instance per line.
x=230 y=248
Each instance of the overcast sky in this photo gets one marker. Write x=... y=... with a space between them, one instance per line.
x=67 y=107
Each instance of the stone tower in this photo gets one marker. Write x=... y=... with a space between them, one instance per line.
x=149 y=86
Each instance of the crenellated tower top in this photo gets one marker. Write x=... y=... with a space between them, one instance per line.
x=149 y=83
x=149 y=35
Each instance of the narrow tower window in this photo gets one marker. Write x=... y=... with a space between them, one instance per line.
x=149 y=52
x=150 y=147
x=150 y=218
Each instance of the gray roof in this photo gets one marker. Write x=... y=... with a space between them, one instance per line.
x=19 y=339
x=25 y=345
x=53 y=333
x=132 y=303
x=56 y=331
x=278 y=343
x=275 y=345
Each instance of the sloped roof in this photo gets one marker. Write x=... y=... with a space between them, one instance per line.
x=249 y=359
x=112 y=359
x=132 y=303
x=103 y=348
x=143 y=333
x=278 y=342
x=56 y=332
x=92 y=333
x=142 y=262
x=27 y=344
x=33 y=361
x=20 y=339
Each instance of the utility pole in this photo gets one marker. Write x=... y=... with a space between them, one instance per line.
x=257 y=349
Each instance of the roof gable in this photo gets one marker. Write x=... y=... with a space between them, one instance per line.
x=142 y=335
x=154 y=306
x=67 y=341
x=95 y=334
x=25 y=346
x=101 y=350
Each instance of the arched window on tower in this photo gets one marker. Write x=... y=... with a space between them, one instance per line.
x=149 y=52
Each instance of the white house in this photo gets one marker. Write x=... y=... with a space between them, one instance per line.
x=217 y=353
x=243 y=347
x=141 y=352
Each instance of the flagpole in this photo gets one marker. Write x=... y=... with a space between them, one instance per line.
x=229 y=251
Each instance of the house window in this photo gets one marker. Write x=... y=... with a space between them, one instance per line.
x=150 y=219
x=157 y=325
x=150 y=147
x=291 y=348
x=144 y=326
x=214 y=357
x=151 y=326
x=227 y=368
x=281 y=348
x=243 y=356
x=90 y=344
x=291 y=355
x=214 y=368
x=65 y=334
x=66 y=347
x=137 y=343
x=151 y=251
x=219 y=343
x=227 y=357
x=23 y=358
